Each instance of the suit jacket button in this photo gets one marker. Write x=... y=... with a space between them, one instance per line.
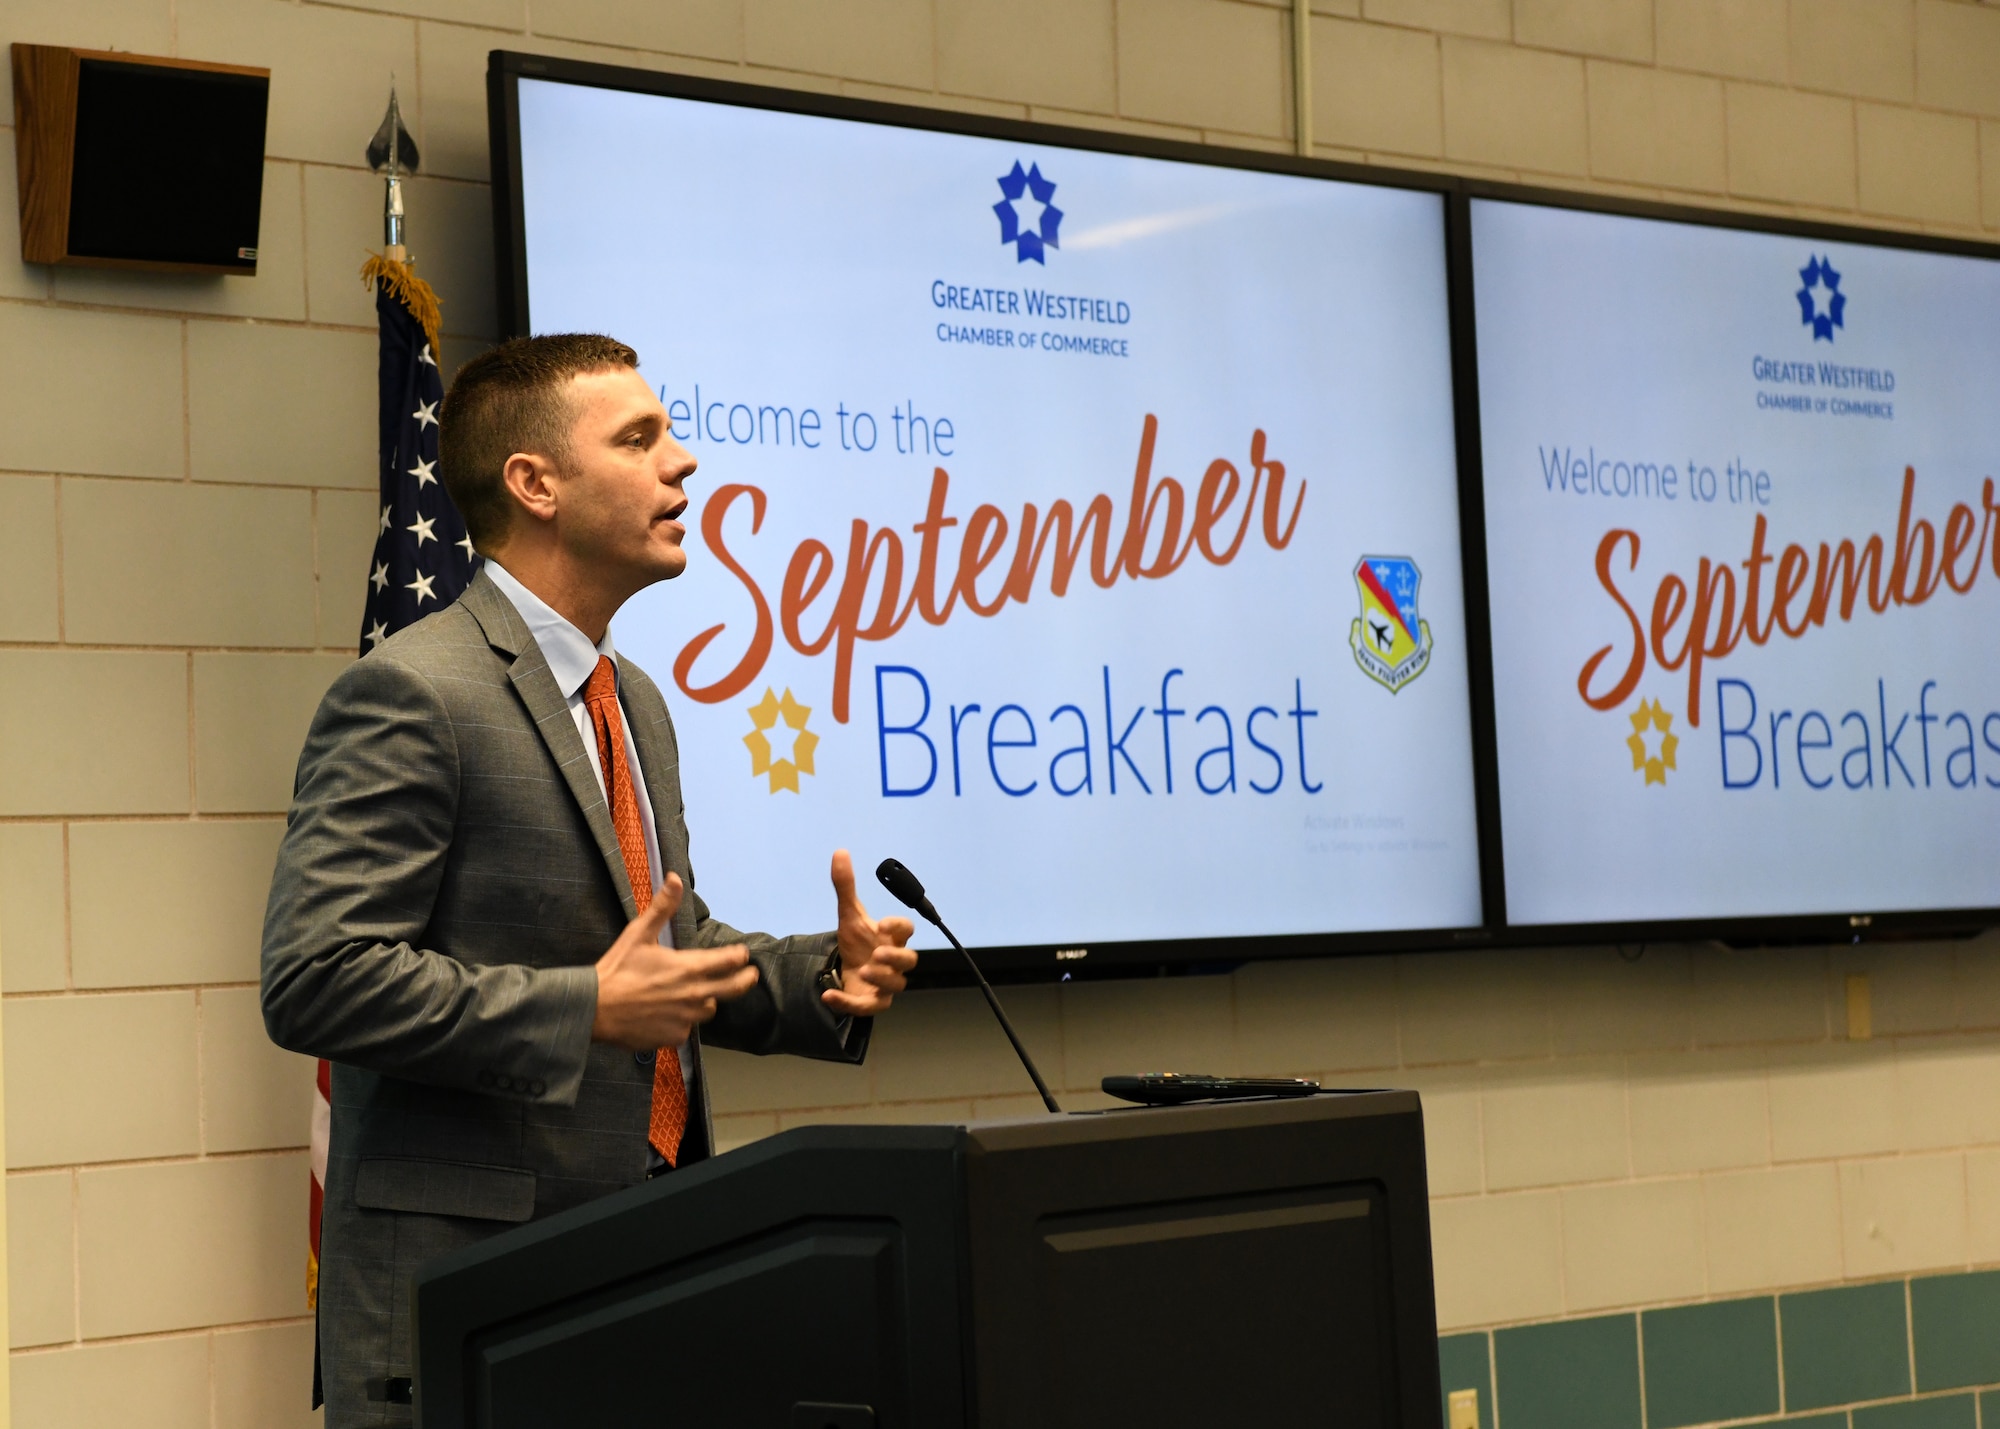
x=645 y=1059
x=537 y=1087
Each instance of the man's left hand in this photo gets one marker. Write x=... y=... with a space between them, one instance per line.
x=875 y=956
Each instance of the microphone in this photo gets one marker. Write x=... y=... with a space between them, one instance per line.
x=907 y=891
x=904 y=887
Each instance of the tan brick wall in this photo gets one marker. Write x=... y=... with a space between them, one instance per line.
x=1603 y=1132
x=186 y=475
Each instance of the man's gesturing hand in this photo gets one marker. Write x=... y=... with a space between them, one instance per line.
x=649 y=996
x=874 y=953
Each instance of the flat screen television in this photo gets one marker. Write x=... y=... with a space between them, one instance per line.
x=1744 y=571
x=1077 y=519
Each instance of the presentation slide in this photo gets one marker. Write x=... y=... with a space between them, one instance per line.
x=1745 y=578
x=1080 y=529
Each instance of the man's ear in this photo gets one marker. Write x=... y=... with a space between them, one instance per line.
x=530 y=481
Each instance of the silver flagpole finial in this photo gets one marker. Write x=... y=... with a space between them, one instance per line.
x=392 y=153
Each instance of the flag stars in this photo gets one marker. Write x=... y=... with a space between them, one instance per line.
x=418 y=527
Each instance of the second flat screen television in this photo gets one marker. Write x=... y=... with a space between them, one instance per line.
x=1080 y=527
x=1741 y=533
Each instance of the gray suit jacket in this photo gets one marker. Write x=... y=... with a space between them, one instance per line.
x=449 y=876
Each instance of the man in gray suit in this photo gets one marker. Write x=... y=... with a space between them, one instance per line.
x=483 y=912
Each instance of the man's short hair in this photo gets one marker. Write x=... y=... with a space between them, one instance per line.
x=507 y=400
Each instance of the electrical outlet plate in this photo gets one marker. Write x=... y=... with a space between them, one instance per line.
x=1860 y=1009
x=1464 y=1407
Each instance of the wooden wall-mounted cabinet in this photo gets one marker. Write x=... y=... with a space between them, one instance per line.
x=136 y=161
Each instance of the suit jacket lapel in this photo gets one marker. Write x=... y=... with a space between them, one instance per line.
x=529 y=674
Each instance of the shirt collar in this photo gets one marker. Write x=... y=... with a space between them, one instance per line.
x=571 y=656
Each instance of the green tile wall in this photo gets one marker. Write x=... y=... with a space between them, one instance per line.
x=1766 y=1362
x=1574 y=1374
x=1844 y=1345
x=1955 y=1321
x=1463 y=1364
x=1951 y=1411
x=1710 y=1362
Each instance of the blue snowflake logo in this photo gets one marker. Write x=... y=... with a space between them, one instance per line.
x=1027 y=219
x=1821 y=303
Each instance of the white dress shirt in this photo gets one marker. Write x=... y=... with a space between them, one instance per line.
x=572 y=659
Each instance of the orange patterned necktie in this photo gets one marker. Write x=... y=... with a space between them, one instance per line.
x=600 y=697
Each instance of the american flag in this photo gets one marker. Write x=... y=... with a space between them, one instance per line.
x=423 y=559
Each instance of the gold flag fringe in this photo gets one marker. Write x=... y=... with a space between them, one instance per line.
x=401 y=279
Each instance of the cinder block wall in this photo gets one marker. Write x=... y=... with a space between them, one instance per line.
x=186 y=477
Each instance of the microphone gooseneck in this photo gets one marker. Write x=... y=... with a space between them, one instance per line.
x=905 y=888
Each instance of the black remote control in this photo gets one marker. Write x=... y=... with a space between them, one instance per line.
x=1172 y=1088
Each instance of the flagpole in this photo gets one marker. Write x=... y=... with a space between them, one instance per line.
x=393 y=153
x=423 y=557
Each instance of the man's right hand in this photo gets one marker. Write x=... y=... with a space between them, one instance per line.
x=650 y=996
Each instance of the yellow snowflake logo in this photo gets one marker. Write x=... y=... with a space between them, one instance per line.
x=780 y=745
x=1651 y=715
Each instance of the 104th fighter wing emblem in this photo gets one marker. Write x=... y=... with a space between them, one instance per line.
x=1390 y=643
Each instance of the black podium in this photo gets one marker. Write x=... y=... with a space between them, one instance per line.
x=1258 y=1263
